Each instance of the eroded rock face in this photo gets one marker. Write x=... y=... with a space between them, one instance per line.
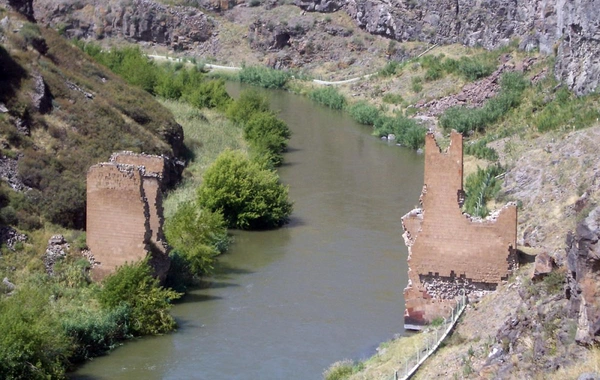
x=583 y=262
x=571 y=29
x=24 y=7
x=139 y=20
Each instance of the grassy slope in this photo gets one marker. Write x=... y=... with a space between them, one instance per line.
x=207 y=133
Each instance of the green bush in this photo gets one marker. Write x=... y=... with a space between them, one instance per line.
x=133 y=286
x=567 y=110
x=464 y=120
x=480 y=150
x=329 y=97
x=32 y=343
x=363 y=113
x=249 y=102
x=209 y=94
x=416 y=84
x=433 y=73
x=392 y=98
x=249 y=196
x=390 y=68
x=474 y=68
x=264 y=76
x=407 y=131
x=197 y=236
x=94 y=332
x=268 y=135
x=339 y=370
x=481 y=187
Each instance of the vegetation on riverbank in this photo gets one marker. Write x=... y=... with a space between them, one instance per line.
x=52 y=319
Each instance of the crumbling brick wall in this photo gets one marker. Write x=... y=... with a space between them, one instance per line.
x=449 y=250
x=124 y=213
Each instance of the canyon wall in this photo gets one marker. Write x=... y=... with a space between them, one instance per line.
x=449 y=251
x=124 y=213
x=583 y=277
x=138 y=20
x=568 y=28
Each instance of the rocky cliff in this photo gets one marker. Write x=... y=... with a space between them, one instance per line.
x=138 y=20
x=583 y=262
x=569 y=29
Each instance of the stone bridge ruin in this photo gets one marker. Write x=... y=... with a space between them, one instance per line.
x=449 y=251
x=125 y=214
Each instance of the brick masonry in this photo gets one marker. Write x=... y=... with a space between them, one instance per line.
x=124 y=213
x=450 y=250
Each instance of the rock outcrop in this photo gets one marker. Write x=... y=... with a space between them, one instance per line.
x=137 y=20
x=56 y=250
x=451 y=252
x=124 y=213
x=569 y=29
x=583 y=289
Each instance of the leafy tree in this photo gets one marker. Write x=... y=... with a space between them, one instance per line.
x=209 y=94
x=249 y=102
x=133 y=286
x=268 y=135
x=197 y=235
x=248 y=195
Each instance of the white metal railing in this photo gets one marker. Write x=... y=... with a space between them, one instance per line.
x=431 y=342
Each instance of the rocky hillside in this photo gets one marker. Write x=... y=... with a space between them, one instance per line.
x=60 y=113
x=138 y=20
x=568 y=30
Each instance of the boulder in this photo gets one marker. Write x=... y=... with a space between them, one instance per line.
x=544 y=264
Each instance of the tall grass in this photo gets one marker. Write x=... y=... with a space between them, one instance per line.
x=464 y=120
x=264 y=76
x=329 y=97
x=207 y=133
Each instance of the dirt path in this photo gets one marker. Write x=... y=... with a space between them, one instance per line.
x=236 y=68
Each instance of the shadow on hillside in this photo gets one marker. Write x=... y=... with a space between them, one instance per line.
x=11 y=74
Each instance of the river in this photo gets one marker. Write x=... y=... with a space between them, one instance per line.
x=328 y=286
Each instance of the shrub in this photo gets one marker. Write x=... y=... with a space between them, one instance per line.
x=392 y=98
x=249 y=196
x=267 y=134
x=363 y=113
x=480 y=150
x=390 y=68
x=413 y=137
x=197 y=236
x=416 y=84
x=339 y=370
x=264 y=76
x=464 y=119
x=32 y=343
x=249 y=102
x=95 y=331
x=433 y=73
x=209 y=94
x=329 y=97
x=480 y=187
x=133 y=286
x=474 y=68
x=408 y=132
